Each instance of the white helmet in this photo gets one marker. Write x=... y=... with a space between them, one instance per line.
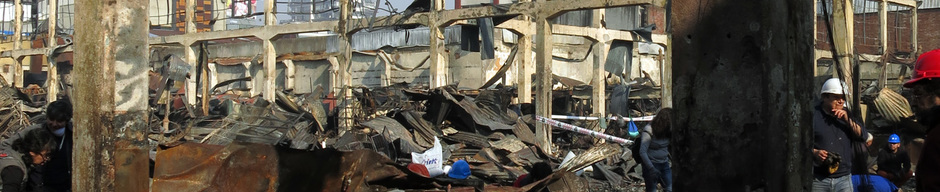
x=833 y=86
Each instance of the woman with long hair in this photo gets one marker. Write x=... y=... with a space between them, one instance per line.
x=654 y=151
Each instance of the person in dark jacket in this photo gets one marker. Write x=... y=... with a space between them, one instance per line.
x=20 y=163
x=833 y=132
x=57 y=173
x=893 y=163
x=924 y=87
x=654 y=151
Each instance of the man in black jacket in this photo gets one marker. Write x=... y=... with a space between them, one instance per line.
x=57 y=173
x=893 y=163
x=833 y=133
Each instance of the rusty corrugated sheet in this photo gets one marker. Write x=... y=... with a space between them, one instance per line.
x=258 y=167
x=523 y=132
x=424 y=131
x=526 y=157
x=471 y=139
x=200 y=167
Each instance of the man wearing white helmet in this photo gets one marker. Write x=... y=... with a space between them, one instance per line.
x=834 y=132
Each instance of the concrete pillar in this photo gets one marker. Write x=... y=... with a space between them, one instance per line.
x=543 y=86
x=53 y=73
x=190 y=53
x=18 y=43
x=438 y=59
x=743 y=84
x=270 y=64
x=270 y=56
x=111 y=111
x=344 y=94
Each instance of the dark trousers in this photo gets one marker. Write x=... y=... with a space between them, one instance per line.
x=664 y=178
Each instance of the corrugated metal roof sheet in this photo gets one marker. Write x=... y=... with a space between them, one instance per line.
x=374 y=40
x=871 y=6
x=623 y=18
x=575 y=18
x=865 y=6
x=929 y=4
x=419 y=36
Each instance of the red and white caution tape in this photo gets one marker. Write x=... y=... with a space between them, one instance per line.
x=644 y=118
x=580 y=130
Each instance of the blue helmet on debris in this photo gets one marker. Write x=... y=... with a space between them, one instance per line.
x=894 y=139
x=460 y=170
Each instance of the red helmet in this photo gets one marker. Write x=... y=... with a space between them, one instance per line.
x=927 y=66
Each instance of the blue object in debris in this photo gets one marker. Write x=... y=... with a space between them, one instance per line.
x=460 y=170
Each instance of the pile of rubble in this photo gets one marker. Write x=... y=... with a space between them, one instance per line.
x=17 y=111
x=295 y=143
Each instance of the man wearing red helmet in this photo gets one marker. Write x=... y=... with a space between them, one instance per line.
x=925 y=88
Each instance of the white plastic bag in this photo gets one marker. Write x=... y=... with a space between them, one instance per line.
x=432 y=158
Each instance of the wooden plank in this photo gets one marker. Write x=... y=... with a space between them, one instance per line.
x=52 y=77
x=17 y=43
x=543 y=89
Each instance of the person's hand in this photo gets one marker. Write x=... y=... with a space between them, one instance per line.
x=820 y=154
x=841 y=114
x=655 y=173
